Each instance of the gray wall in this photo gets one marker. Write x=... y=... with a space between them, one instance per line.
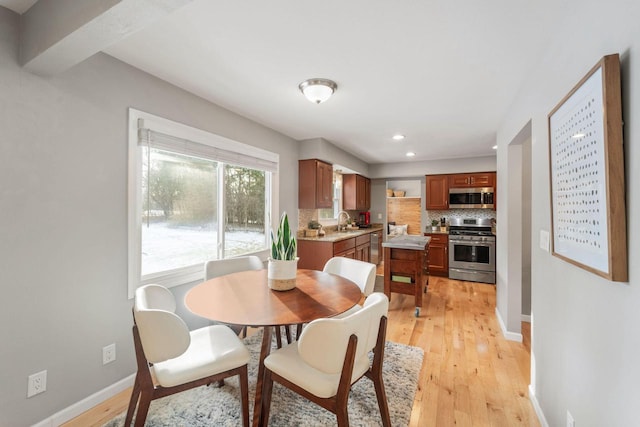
x=420 y=169
x=585 y=340
x=63 y=218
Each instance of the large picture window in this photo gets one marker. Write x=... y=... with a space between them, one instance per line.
x=194 y=197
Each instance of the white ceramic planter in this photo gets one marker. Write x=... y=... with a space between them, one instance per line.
x=281 y=275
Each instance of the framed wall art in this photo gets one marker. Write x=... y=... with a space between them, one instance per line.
x=587 y=174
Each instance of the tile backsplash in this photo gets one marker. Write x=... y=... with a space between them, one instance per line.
x=460 y=213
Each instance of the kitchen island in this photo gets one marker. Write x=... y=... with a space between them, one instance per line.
x=406 y=266
x=314 y=252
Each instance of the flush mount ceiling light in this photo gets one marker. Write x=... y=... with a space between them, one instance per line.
x=397 y=137
x=411 y=154
x=318 y=90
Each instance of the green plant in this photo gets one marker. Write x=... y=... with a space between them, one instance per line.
x=435 y=222
x=283 y=244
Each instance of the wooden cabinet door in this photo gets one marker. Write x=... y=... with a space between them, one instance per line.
x=363 y=247
x=465 y=180
x=361 y=189
x=438 y=255
x=356 y=192
x=459 y=180
x=324 y=185
x=437 y=192
x=367 y=194
x=315 y=184
x=481 y=179
x=349 y=253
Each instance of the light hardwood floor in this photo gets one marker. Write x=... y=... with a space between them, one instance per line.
x=471 y=375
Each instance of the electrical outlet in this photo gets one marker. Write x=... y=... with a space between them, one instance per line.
x=37 y=383
x=570 y=420
x=108 y=354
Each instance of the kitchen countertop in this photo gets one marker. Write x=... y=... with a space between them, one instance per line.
x=436 y=232
x=338 y=236
x=407 y=241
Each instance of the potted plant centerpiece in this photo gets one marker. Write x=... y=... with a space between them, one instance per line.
x=283 y=263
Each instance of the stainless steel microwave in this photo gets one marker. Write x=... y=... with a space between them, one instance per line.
x=471 y=198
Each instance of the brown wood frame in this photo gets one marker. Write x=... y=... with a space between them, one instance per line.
x=338 y=403
x=611 y=147
x=144 y=390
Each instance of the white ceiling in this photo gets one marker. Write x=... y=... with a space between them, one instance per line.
x=443 y=73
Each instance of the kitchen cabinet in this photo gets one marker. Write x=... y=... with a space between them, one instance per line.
x=356 y=192
x=437 y=192
x=315 y=184
x=438 y=260
x=314 y=254
x=345 y=248
x=480 y=179
x=363 y=248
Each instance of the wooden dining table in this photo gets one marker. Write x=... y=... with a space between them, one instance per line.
x=244 y=298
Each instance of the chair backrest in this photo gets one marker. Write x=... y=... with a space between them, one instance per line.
x=163 y=334
x=323 y=343
x=361 y=273
x=220 y=267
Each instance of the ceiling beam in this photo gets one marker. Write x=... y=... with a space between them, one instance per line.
x=58 y=34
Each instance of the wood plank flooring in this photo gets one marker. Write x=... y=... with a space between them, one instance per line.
x=471 y=375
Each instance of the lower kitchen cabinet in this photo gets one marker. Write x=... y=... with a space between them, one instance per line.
x=314 y=254
x=438 y=254
x=363 y=248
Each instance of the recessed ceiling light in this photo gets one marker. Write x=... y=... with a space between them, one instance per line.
x=495 y=147
x=410 y=154
x=398 y=137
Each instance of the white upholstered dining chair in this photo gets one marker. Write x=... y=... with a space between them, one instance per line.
x=181 y=359
x=361 y=273
x=331 y=355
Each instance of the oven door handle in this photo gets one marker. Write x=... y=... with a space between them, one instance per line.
x=468 y=243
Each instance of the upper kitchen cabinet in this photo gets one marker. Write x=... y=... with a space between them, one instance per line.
x=356 y=192
x=437 y=194
x=315 y=184
x=480 y=179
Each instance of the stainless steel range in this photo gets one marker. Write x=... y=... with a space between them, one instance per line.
x=472 y=250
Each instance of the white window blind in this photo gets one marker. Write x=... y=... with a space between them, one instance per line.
x=161 y=141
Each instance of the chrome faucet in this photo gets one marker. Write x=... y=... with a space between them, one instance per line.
x=344 y=227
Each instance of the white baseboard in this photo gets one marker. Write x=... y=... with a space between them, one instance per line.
x=525 y=318
x=511 y=336
x=537 y=408
x=87 y=403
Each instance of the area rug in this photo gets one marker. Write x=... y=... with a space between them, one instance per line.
x=220 y=406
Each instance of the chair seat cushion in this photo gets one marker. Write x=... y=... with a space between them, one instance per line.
x=213 y=349
x=287 y=363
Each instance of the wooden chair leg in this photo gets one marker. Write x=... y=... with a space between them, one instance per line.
x=143 y=408
x=382 y=400
x=133 y=402
x=244 y=395
x=267 y=389
x=298 y=330
x=278 y=336
x=287 y=330
x=342 y=414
